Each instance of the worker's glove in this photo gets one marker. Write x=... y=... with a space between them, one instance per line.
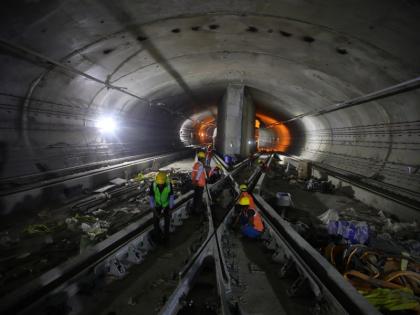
x=152 y=202
x=171 y=201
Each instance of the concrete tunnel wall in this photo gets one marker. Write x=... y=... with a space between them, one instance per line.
x=293 y=56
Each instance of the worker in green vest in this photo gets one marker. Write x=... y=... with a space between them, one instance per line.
x=161 y=201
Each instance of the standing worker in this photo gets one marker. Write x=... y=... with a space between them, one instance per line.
x=198 y=178
x=250 y=219
x=209 y=155
x=161 y=201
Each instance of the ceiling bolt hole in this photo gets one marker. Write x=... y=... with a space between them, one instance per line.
x=252 y=29
x=176 y=30
x=285 y=34
x=195 y=28
x=214 y=26
x=308 y=39
x=341 y=51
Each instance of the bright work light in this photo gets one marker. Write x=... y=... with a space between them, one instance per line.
x=106 y=124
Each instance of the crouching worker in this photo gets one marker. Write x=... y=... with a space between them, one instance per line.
x=161 y=202
x=244 y=193
x=250 y=219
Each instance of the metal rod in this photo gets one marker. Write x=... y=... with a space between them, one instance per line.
x=83 y=74
x=389 y=91
x=68 y=68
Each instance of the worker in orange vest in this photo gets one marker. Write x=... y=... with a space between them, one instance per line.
x=215 y=174
x=198 y=178
x=244 y=193
x=209 y=155
x=251 y=222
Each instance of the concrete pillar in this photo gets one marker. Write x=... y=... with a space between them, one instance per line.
x=235 y=122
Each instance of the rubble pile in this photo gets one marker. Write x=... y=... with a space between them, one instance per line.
x=378 y=255
x=33 y=247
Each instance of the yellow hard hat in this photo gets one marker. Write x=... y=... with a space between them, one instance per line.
x=161 y=178
x=243 y=187
x=201 y=155
x=244 y=201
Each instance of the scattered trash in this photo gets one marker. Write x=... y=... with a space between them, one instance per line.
x=104 y=189
x=5 y=240
x=355 y=232
x=98 y=212
x=24 y=255
x=392 y=299
x=284 y=199
x=85 y=218
x=48 y=240
x=36 y=229
x=132 y=301
x=44 y=213
x=72 y=223
x=124 y=209
x=139 y=177
x=118 y=181
x=93 y=230
x=329 y=215
x=396 y=227
x=322 y=186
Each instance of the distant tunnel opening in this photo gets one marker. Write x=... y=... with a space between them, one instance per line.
x=270 y=134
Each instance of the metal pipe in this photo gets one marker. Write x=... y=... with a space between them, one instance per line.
x=389 y=91
x=33 y=53
x=68 y=68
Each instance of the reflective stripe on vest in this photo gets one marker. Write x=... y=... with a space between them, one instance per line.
x=198 y=174
x=258 y=224
x=161 y=198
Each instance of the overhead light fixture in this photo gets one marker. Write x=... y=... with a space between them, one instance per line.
x=106 y=124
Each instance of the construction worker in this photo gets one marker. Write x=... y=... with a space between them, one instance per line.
x=215 y=174
x=251 y=222
x=198 y=178
x=161 y=199
x=209 y=155
x=244 y=193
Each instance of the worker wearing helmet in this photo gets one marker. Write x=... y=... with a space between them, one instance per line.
x=198 y=178
x=209 y=155
x=244 y=193
x=215 y=173
x=250 y=219
x=161 y=201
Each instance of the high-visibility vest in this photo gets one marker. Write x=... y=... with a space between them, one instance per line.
x=257 y=221
x=162 y=198
x=199 y=174
x=251 y=200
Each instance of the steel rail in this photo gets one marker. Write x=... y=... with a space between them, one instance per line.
x=35 y=291
x=376 y=95
x=320 y=273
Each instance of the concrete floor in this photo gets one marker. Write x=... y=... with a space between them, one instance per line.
x=148 y=285
x=258 y=287
x=27 y=256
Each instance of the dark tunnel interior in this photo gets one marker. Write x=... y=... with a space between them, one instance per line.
x=92 y=86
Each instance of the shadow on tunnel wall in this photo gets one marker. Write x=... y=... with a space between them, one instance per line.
x=298 y=138
x=129 y=23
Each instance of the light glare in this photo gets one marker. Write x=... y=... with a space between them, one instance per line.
x=106 y=124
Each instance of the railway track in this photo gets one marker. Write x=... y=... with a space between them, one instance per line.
x=222 y=273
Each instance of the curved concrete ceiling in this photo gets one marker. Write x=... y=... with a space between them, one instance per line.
x=153 y=64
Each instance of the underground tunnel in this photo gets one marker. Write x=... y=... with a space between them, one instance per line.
x=299 y=120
